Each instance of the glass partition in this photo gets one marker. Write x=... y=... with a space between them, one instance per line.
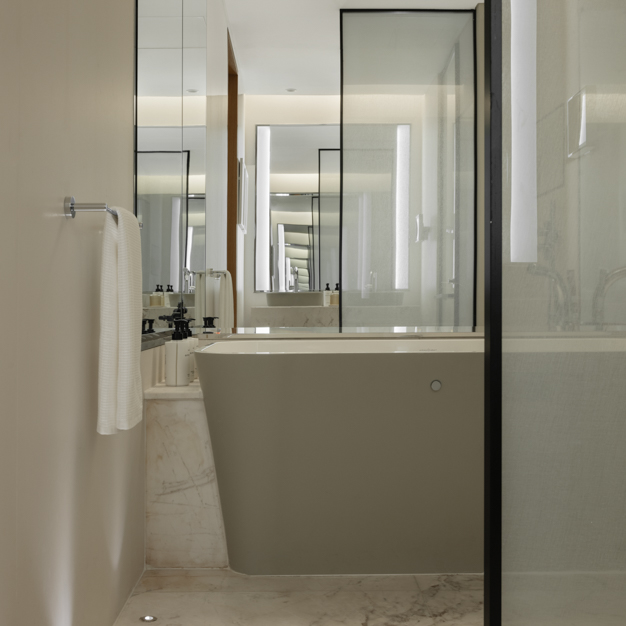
x=564 y=311
x=408 y=201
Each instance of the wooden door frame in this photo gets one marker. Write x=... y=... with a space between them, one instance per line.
x=232 y=162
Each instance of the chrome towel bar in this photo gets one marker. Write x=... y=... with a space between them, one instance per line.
x=71 y=207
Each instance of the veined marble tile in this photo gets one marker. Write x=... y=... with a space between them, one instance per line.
x=171 y=580
x=306 y=600
x=452 y=598
x=184 y=526
x=167 y=580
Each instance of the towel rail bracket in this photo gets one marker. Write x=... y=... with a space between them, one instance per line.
x=71 y=208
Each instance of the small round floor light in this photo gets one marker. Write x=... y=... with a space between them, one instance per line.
x=148 y=618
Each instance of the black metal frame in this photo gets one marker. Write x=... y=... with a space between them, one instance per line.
x=493 y=312
x=135 y=106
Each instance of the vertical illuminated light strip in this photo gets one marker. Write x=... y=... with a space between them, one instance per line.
x=403 y=147
x=175 y=246
x=281 y=258
x=189 y=246
x=523 y=131
x=262 y=274
x=582 y=140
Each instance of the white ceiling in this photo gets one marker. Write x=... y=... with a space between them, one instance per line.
x=171 y=55
x=283 y=44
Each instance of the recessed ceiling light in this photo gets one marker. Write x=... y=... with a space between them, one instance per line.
x=291 y=90
x=192 y=91
x=148 y=618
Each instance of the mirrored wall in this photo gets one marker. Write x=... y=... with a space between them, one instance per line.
x=171 y=152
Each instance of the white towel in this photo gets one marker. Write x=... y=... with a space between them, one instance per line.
x=226 y=313
x=120 y=397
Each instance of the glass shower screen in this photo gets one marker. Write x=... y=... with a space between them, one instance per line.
x=564 y=313
x=408 y=199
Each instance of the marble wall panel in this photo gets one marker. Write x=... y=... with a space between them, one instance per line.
x=184 y=525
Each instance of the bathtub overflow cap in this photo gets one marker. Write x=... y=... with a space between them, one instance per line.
x=435 y=385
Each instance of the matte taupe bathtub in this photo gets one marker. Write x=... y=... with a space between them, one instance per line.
x=337 y=457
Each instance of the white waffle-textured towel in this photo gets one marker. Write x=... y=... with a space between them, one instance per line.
x=226 y=311
x=120 y=396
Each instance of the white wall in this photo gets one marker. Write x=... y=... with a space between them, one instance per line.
x=72 y=513
x=260 y=110
x=217 y=134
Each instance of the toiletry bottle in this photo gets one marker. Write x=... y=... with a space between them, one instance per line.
x=168 y=300
x=334 y=296
x=327 y=295
x=155 y=297
x=176 y=363
x=161 y=294
x=209 y=325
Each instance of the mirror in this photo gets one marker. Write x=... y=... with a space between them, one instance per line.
x=395 y=240
x=297 y=233
x=171 y=153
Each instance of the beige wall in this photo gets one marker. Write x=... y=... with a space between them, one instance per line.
x=72 y=502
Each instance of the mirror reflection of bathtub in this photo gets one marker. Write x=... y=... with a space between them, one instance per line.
x=339 y=456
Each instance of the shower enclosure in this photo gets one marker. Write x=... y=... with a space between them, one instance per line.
x=556 y=420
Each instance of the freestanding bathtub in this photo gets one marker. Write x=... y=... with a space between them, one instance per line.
x=338 y=457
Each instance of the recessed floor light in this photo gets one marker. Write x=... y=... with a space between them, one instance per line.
x=148 y=618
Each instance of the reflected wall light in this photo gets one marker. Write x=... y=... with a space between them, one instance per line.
x=281 y=258
x=524 y=131
x=262 y=271
x=189 y=246
x=175 y=246
x=403 y=151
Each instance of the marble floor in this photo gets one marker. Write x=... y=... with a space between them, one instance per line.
x=201 y=597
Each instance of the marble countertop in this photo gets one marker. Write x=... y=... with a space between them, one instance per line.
x=193 y=391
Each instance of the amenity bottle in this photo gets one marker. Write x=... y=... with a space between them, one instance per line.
x=176 y=359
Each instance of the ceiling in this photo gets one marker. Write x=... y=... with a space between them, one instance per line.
x=295 y=149
x=295 y=44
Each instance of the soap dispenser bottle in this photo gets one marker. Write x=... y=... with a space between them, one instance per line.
x=155 y=297
x=334 y=296
x=209 y=325
x=176 y=361
x=161 y=294
x=327 y=294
